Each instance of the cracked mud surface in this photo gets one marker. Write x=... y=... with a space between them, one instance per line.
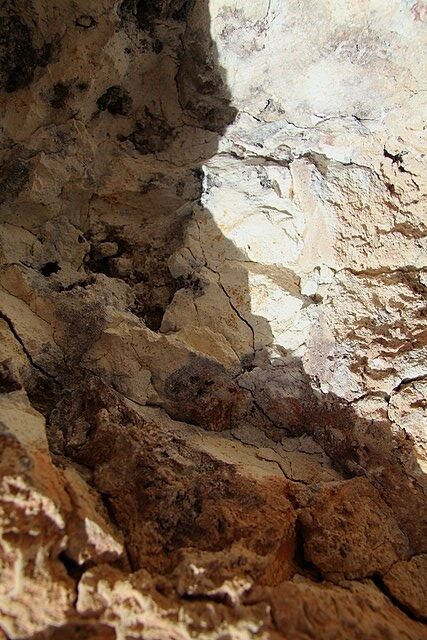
x=212 y=320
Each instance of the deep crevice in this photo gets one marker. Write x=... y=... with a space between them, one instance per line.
x=304 y=566
x=50 y=268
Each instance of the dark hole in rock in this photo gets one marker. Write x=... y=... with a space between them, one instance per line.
x=13 y=177
x=147 y=11
x=74 y=570
x=115 y=100
x=157 y=46
x=100 y=265
x=305 y=567
x=144 y=11
x=49 y=268
x=19 y=58
x=152 y=316
x=61 y=92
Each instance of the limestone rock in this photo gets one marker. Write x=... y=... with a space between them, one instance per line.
x=35 y=589
x=45 y=518
x=90 y=536
x=212 y=319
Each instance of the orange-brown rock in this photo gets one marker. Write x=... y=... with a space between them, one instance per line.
x=46 y=517
x=350 y=532
x=407 y=583
x=355 y=611
x=208 y=506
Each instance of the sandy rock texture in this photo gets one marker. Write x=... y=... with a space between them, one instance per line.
x=212 y=320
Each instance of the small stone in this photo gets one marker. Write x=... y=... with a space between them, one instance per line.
x=108 y=249
x=85 y=22
x=26 y=463
x=123 y=267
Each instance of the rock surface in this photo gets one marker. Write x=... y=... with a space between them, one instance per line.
x=212 y=319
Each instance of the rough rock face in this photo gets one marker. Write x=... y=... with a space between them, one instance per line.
x=212 y=320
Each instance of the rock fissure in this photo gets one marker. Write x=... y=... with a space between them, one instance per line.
x=379 y=583
x=24 y=348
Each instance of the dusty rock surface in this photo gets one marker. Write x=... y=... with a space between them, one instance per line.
x=212 y=320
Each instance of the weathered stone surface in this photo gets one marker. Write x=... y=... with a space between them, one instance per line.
x=303 y=610
x=90 y=537
x=407 y=582
x=132 y=606
x=46 y=517
x=350 y=532
x=35 y=588
x=214 y=498
x=212 y=301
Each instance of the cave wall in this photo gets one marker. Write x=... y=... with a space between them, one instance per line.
x=212 y=319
